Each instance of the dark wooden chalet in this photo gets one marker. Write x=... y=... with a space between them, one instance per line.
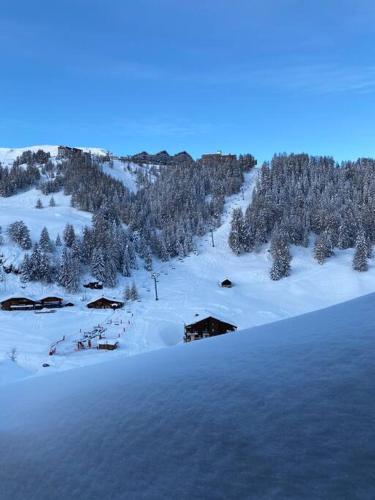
x=51 y=302
x=107 y=345
x=207 y=327
x=19 y=304
x=226 y=283
x=94 y=285
x=104 y=303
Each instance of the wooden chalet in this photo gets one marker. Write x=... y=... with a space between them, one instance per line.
x=19 y=304
x=226 y=283
x=207 y=327
x=107 y=345
x=94 y=285
x=51 y=302
x=104 y=303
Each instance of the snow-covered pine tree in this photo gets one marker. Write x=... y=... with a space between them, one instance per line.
x=323 y=247
x=237 y=236
x=69 y=235
x=134 y=292
x=46 y=269
x=2 y=274
x=345 y=237
x=98 y=265
x=26 y=270
x=35 y=263
x=361 y=252
x=127 y=293
x=58 y=241
x=20 y=234
x=110 y=272
x=148 y=259
x=279 y=250
x=68 y=275
x=45 y=242
x=87 y=246
x=52 y=202
x=38 y=203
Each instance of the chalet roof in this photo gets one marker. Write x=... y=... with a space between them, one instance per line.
x=51 y=298
x=226 y=281
x=18 y=299
x=104 y=299
x=200 y=318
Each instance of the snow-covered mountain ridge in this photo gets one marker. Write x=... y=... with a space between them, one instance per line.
x=283 y=410
x=8 y=155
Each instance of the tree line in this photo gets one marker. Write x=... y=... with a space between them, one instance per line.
x=297 y=196
x=172 y=205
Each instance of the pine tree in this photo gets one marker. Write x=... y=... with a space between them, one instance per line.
x=127 y=293
x=110 y=272
x=361 y=252
x=2 y=274
x=52 y=202
x=69 y=235
x=20 y=234
x=45 y=242
x=58 y=242
x=39 y=203
x=238 y=236
x=98 y=265
x=148 y=259
x=279 y=250
x=323 y=248
x=35 y=263
x=134 y=292
x=26 y=270
x=345 y=239
x=69 y=276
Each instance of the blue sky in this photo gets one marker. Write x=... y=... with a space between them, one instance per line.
x=237 y=75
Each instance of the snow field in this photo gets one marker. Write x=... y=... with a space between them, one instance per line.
x=186 y=287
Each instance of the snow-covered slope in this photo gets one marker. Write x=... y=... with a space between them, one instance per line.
x=186 y=288
x=284 y=410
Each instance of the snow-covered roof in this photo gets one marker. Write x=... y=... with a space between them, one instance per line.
x=203 y=314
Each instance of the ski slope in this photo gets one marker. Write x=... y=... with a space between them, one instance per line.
x=284 y=410
x=187 y=288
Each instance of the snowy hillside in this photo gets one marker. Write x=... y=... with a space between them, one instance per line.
x=188 y=288
x=279 y=411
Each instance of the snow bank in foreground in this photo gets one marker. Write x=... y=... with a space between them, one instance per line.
x=284 y=410
x=10 y=371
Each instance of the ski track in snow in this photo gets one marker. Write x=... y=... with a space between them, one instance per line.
x=187 y=288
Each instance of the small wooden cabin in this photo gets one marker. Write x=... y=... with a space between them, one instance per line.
x=226 y=283
x=104 y=303
x=94 y=285
x=18 y=304
x=50 y=302
x=207 y=327
x=107 y=345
